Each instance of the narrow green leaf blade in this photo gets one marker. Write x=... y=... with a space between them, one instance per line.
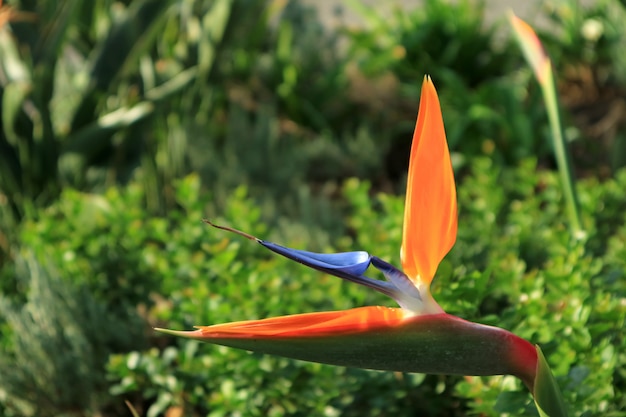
x=547 y=392
x=12 y=99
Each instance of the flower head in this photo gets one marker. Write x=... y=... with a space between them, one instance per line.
x=417 y=337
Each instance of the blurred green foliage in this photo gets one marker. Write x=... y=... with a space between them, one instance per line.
x=511 y=267
x=489 y=108
x=125 y=123
x=61 y=334
x=587 y=51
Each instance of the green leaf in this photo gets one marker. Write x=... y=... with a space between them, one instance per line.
x=12 y=99
x=92 y=138
x=547 y=392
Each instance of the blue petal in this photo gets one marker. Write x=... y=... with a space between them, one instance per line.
x=399 y=279
x=350 y=266
x=354 y=263
x=347 y=265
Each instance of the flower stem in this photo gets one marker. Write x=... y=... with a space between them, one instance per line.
x=561 y=152
x=540 y=63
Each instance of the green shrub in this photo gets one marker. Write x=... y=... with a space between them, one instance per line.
x=273 y=128
x=513 y=265
x=56 y=344
x=170 y=88
x=489 y=108
x=585 y=41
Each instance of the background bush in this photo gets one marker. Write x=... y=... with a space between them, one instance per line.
x=126 y=123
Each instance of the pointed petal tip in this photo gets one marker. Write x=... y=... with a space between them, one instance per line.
x=428 y=86
x=512 y=16
x=179 y=333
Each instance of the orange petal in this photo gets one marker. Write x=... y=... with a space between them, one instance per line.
x=310 y=324
x=430 y=212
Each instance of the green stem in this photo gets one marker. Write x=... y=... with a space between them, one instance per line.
x=562 y=155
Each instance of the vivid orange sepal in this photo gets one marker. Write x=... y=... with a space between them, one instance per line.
x=430 y=213
x=310 y=324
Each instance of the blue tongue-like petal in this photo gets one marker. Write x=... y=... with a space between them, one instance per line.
x=349 y=266
x=353 y=263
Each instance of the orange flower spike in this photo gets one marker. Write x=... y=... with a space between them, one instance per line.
x=430 y=213
x=532 y=48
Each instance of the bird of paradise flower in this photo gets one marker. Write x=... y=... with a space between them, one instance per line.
x=419 y=336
